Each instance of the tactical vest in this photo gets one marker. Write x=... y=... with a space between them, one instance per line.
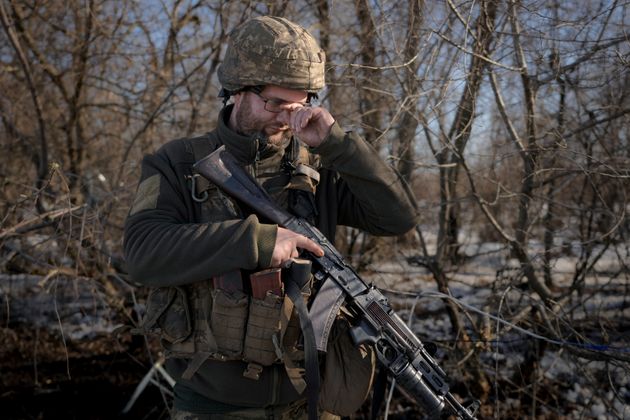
x=219 y=318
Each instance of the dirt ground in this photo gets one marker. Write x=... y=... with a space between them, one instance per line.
x=90 y=379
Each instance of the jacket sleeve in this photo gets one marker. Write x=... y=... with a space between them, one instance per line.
x=370 y=195
x=163 y=248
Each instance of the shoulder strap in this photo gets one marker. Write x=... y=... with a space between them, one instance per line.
x=295 y=277
x=296 y=163
x=303 y=181
x=201 y=147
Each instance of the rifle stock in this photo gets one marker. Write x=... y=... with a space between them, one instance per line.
x=397 y=347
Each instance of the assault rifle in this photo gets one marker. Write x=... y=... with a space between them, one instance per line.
x=397 y=348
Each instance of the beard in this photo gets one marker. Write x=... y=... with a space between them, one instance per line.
x=250 y=124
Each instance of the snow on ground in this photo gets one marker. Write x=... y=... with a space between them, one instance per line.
x=75 y=307
x=599 y=313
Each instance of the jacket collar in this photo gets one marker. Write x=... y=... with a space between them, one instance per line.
x=246 y=149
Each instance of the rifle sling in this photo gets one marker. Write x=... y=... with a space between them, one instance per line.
x=378 y=393
x=310 y=349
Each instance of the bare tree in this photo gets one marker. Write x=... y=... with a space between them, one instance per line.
x=508 y=118
x=411 y=87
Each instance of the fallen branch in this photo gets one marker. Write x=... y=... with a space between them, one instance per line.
x=44 y=217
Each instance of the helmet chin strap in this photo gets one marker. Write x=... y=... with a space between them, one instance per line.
x=225 y=94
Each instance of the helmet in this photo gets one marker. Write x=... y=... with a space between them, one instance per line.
x=270 y=50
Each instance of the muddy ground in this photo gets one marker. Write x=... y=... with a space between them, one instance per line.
x=93 y=380
x=58 y=357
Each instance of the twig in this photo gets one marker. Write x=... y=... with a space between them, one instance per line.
x=148 y=378
x=63 y=336
x=50 y=215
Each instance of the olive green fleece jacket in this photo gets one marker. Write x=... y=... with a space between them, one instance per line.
x=165 y=243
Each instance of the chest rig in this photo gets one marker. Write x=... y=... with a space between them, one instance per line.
x=219 y=318
x=291 y=179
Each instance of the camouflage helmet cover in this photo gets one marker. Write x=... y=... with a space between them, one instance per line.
x=271 y=50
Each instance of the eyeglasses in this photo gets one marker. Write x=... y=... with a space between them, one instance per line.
x=277 y=105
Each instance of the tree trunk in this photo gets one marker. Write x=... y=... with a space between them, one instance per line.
x=459 y=135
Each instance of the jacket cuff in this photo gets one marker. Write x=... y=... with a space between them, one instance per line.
x=333 y=142
x=266 y=241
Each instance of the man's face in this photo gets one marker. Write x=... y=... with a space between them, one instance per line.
x=267 y=112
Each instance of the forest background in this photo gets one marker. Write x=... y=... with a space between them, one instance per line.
x=510 y=119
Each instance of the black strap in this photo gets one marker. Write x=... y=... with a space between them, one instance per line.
x=378 y=393
x=310 y=350
x=294 y=153
x=301 y=202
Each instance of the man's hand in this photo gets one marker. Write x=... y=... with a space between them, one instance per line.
x=311 y=125
x=287 y=244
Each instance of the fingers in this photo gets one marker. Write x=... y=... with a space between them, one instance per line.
x=288 y=244
x=300 y=118
x=311 y=125
x=305 y=243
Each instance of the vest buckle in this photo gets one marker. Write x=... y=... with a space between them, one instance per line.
x=253 y=371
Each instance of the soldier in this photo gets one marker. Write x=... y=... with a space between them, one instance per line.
x=231 y=354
